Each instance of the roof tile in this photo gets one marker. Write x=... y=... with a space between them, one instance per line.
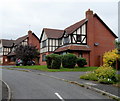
x=53 y=33
x=75 y=26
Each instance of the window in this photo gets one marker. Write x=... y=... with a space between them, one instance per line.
x=78 y=38
x=60 y=42
x=0 y=49
x=66 y=40
x=43 y=57
x=80 y=55
x=44 y=44
x=1 y=60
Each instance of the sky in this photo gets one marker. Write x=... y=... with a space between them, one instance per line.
x=19 y=16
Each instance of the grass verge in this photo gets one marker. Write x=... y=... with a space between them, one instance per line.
x=44 y=68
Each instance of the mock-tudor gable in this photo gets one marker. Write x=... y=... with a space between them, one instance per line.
x=74 y=27
x=21 y=39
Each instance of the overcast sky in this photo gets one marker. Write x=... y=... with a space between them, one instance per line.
x=18 y=16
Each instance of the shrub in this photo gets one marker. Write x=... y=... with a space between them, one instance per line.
x=53 y=61
x=109 y=58
x=106 y=73
x=102 y=75
x=105 y=81
x=48 y=61
x=81 y=62
x=69 y=60
x=89 y=76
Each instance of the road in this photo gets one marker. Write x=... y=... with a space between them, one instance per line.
x=29 y=85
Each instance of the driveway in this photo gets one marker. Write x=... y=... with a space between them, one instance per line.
x=29 y=85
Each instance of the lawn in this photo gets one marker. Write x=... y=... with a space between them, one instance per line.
x=44 y=68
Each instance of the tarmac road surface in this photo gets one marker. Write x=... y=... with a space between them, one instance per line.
x=28 y=85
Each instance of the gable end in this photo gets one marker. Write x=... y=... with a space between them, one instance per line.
x=95 y=15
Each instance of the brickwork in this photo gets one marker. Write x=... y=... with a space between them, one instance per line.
x=33 y=40
x=97 y=32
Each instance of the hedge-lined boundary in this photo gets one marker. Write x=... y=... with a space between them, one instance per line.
x=54 y=61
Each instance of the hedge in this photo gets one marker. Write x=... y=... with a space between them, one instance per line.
x=53 y=61
x=81 y=62
x=69 y=60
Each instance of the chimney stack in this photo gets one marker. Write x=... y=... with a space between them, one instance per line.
x=89 y=14
x=29 y=32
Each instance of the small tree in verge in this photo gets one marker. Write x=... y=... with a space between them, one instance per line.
x=26 y=53
x=69 y=60
x=81 y=62
x=53 y=61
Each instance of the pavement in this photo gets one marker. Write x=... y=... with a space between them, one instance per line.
x=0 y=90
x=74 y=76
x=3 y=91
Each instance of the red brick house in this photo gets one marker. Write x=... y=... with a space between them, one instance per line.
x=88 y=38
x=7 y=55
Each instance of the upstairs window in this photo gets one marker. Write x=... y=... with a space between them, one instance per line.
x=79 y=38
x=0 y=49
x=66 y=40
x=44 y=44
x=59 y=42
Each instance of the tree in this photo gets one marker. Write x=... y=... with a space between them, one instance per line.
x=117 y=44
x=26 y=53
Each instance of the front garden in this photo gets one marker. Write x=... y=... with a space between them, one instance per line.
x=107 y=73
x=62 y=63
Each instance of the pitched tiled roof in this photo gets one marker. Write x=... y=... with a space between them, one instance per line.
x=7 y=43
x=75 y=26
x=17 y=41
x=53 y=33
x=73 y=47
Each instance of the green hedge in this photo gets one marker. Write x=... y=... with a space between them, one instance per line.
x=81 y=62
x=53 y=61
x=69 y=60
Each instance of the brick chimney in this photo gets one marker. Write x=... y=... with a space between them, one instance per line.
x=90 y=34
x=89 y=14
x=30 y=40
x=29 y=31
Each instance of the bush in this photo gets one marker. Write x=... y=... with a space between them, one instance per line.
x=106 y=73
x=53 y=61
x=89 y=76
x=109 y=58
x=105 y=81
x=102 y=75
x=48 y=61
x=81 y=62
x=69 y=60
